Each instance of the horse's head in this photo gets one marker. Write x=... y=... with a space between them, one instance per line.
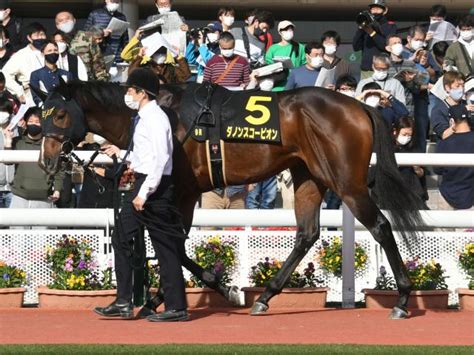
x=64 y=126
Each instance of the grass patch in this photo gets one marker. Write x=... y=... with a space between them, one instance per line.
x=233 y=349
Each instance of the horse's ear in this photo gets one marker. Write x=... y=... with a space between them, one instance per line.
x=63 y=89
x=42 y=95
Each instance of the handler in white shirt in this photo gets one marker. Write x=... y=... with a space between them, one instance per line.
x=151 y=204
x=19 y=67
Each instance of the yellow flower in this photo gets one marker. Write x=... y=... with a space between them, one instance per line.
x=363 y=258
x=356 y=264
x=23 y=274
x=338 y=258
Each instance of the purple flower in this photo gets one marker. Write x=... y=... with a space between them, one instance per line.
x=68 y=267
x=81 y=265
x=218 y=267
x=6 y=276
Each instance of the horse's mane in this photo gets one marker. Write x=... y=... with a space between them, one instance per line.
x=106 y=95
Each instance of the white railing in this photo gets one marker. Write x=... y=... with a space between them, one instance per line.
x=403 y=159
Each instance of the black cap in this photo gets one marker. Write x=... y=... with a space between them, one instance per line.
x=458 y=112
x=379 y=3
x=144 y=79
x=4 y=4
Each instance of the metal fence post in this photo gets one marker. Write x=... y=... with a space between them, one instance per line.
x=348 y=250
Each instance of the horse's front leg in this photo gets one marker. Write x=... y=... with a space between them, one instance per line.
x=308 y=197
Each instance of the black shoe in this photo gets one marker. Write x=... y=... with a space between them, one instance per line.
x=145 y=312
x=169 y=316
x=115 y=309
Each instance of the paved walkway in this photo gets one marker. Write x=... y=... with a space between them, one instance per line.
x=326 y=326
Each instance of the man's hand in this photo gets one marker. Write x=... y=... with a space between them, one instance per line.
x=111 y=150
x=107 y=32
x=184 y=27
x=55 y=196
x=142 y=52
x=429 y=36
x=367 y=29
x=8 y=134
x=138 y=203
x=22 y=99
x=419 y=171
x=470 y=107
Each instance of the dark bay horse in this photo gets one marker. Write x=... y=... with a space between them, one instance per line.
x=327 y=142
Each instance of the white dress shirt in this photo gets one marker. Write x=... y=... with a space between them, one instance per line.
x=152 y=153
x=19 y=68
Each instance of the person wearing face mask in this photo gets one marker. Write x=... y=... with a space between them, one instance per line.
x=31 y=187
x=173 y=70
x=113 y=44
x=331 y=41
x=457 y=184
x=415 y=42
x=390 y=108
x=453 y=83
x=12 y=24
x=6 y=171
x=286 y=50
x=460 y=54
x=404 y=141
x=21 y=64
x=228 y=69
x=380 y=67
x=371 y=40
x=165 y=7
x=307 y=74
x=439 y=29
x=346 y=85
x=67 y=61
x=151 y=204
x=6 y=51
x=48 y=77
x=85 y=45
x=200 y=51
x=226 y=16
x=251 y=40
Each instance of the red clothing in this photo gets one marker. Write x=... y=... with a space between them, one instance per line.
x=238 y=75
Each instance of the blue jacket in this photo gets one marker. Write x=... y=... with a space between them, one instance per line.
x=457 y=186
x=49 y=78
x=395 y=112
x=192 y=55
x=112 y=45
x=371 y=46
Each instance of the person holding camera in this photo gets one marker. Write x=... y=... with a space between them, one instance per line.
x=371 y=37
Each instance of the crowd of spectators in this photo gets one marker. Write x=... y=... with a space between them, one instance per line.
x=421 y=82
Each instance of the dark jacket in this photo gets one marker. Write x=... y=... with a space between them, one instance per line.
x=393 y=113
x=415 y=183
x=457 y=186
x=30 y=182
x=49 y=78
x=371 y=46
x=14 y=31
x=9 y=52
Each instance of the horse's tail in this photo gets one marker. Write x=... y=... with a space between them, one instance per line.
x=392 y=192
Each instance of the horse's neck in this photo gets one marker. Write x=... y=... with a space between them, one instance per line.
x=113 y=127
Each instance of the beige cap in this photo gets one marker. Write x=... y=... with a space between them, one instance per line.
x=284 y=24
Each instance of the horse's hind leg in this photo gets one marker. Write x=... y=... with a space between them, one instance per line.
x=308 y=197
x=365 y=210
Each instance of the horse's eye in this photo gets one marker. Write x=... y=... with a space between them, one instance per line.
x=60 y=114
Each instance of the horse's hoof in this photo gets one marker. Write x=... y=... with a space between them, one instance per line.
x=258 y=308
x=398 y=313
x=234 y=296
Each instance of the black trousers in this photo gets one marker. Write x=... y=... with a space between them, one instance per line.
x=163 y=227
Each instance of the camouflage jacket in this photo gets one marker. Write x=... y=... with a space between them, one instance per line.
x=90 y=53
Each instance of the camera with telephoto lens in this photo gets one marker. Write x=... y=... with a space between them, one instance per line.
x=366 y=19
x=195 y=33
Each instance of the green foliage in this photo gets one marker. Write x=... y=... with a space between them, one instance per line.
x=330 y=257
x=11 y=276
x=466 y=261
x=426 y=276
x=215 y=256
x=265 y=271
x=72 y=265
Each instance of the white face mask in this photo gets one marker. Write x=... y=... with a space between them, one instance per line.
x=403 y=140
x=372 y=100
x=397 y=49
x=434 y=21
x=130 y=102
x=4 y=118
x=266 y=84
x=112 y=7
x=287 y=35
x=350 y=93
x=227 y=52
x=415 y=45
x=466 y=35
x=2 y=15
x=249 y=20
x=99 y=139
x=456 y=94
x=316 y=62
x=159 y=58
x=380 y=75
x=61 y=47
x=228 y=20
x=67 y=26
x=164 y=10
x=213 y=37
x=330 y=49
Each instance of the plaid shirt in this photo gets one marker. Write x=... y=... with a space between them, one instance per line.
x=112 y=45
